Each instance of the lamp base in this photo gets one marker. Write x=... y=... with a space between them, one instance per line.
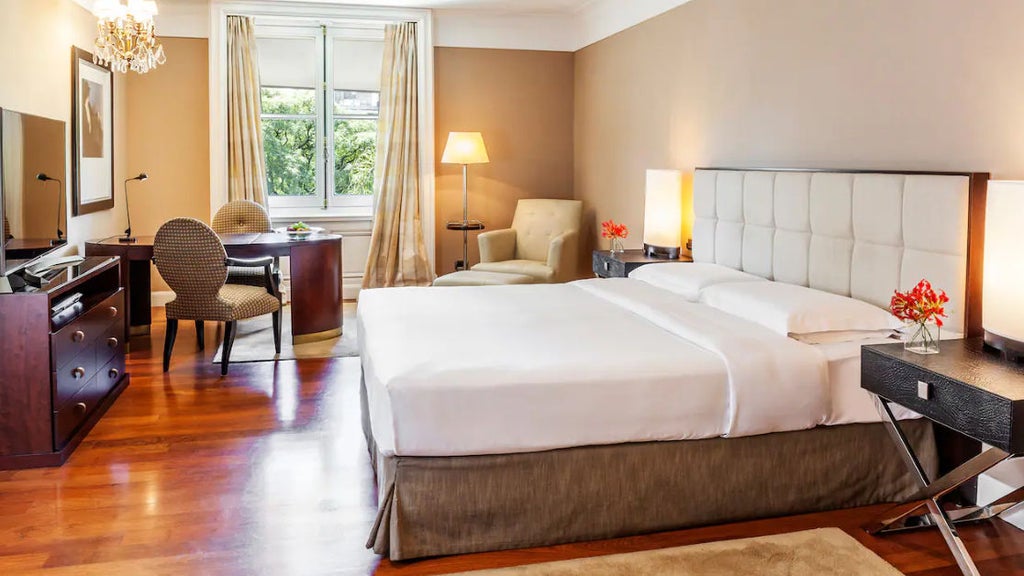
x=661 y=252
x=58 y=242
x=1009 y=349
x=127 y=239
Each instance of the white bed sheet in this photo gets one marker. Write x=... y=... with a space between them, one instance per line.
x=542 y=367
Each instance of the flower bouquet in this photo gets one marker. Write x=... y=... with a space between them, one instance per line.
x=922 y=310
x=614 y=232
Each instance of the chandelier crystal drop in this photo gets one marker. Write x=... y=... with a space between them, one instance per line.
x=127 y=38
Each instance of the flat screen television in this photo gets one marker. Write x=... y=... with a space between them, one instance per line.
x=32 y=193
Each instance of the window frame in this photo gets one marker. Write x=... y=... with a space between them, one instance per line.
x=324 y=116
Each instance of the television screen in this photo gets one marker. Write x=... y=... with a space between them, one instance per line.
x=33 y=200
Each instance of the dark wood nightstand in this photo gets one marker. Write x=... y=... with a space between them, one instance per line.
x=968 y=391
x=620 y=264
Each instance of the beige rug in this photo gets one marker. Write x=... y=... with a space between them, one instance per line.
x=823 y=552
x=255 y=340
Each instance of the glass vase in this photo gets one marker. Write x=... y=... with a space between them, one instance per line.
x=616 y=246
x=921 y=338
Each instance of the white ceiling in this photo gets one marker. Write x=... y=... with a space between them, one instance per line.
x=506 y=6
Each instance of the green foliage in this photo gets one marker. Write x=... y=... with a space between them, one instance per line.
x=290 y=147
x=355 y=154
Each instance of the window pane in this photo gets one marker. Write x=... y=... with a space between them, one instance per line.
x=290 y=150
x=355 y=151
x=288 y=100
x=356 y=103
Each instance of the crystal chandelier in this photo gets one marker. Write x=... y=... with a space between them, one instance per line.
x=127 y=39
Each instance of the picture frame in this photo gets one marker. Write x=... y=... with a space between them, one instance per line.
x=92 y=134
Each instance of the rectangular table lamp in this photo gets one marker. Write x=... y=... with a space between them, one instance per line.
x=1003 y=310
x=663 y=214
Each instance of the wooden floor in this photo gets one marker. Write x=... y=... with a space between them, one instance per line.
x=265 y=472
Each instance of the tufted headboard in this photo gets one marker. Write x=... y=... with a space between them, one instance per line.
x=855 y=233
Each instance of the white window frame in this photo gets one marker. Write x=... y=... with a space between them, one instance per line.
x=313 y=12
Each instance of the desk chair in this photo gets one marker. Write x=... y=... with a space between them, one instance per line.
x=245 y=217
x=192 y=261
x=542 y=242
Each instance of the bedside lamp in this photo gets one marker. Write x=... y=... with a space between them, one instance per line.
x=663 y=214
x=42 y=177
x=1003 y=312
x=128 y=238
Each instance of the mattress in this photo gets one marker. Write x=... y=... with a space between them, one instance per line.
x=511 y=369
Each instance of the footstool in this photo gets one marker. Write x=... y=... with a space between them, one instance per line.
x=479 y=278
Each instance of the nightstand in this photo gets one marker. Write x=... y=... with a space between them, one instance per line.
x=619 y=264
x=968 y=391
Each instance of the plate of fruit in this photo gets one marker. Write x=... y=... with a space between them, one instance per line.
x=300 y=230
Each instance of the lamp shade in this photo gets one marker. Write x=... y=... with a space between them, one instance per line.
x=663 y=213
x=1003 y=309
x=465 y=148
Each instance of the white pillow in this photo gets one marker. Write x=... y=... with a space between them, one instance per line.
x=839 y=336
x=688 y=279
x=791 y=309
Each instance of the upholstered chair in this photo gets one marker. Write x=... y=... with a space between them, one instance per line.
x=542 y=242
x=192 y=260
x=244 y=217
x=7 y=229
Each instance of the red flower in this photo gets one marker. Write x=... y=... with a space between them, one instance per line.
x=920 y=305
x=609 y=229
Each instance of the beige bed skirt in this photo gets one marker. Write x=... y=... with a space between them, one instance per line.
x=455 y=505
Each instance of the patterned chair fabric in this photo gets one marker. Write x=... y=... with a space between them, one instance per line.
x=7 y=229
x=241 y=217
x=191 y=259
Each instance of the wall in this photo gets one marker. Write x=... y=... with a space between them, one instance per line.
x=169 y=131
x=522 y=102
x=35 y=56
x=913 y=84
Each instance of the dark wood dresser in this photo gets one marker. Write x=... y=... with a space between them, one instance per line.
x=58 y=376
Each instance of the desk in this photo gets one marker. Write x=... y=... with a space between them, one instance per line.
x=315 y=277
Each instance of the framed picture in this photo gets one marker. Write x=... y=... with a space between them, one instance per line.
x=92 y=134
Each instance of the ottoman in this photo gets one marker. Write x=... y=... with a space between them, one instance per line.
x=479 y=278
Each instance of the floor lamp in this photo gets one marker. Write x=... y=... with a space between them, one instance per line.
x=465 y=148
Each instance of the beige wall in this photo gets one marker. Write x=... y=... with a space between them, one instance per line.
x=907 y=84
x=522 y=102
x=35 y=77
x=169 y=131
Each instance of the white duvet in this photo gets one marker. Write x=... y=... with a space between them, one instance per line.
x=464 y=371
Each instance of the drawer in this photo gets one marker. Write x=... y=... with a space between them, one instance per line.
x=68 y=342
x=110 y=343
x=972 y=411
x=607 y=267
x=68 y=418
x=73 y=376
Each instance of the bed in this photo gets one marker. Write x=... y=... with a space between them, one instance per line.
x=518 y=416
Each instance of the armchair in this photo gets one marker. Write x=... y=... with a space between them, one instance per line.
x=542 y=242
x=245 y=217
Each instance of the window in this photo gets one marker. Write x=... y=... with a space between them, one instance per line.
x=320 y=98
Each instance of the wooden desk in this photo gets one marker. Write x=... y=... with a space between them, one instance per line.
x=315 y=285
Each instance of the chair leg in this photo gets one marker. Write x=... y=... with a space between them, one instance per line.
x=277 y=331
x=171 y=334
x=201 y=334
x=229 y=340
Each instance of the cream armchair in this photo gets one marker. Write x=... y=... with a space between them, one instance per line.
x=542 y=242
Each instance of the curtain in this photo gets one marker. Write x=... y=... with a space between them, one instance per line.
x=398 y=255
x=247 y=172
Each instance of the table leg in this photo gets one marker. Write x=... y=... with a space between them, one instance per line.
x=315 y=291
x=900 y=517
x=138 y=284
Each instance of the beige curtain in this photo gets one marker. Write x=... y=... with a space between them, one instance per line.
x=247 y=171
x=398 y=256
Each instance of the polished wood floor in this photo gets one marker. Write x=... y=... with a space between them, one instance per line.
x=265 y=472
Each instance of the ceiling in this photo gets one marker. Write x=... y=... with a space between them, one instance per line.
x=507 y=6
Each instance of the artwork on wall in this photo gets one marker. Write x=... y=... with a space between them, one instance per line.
x=92 y=134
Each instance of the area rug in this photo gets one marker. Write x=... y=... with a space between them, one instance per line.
x=254 y=341
x=822 y=552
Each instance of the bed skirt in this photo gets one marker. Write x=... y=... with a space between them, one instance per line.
x=436 y=506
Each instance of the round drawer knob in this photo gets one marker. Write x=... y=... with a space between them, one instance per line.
x=113 y=311
x=112 y=342
x=114 y=373
x=80 y=406
x=78 y=372
x=77 y=336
